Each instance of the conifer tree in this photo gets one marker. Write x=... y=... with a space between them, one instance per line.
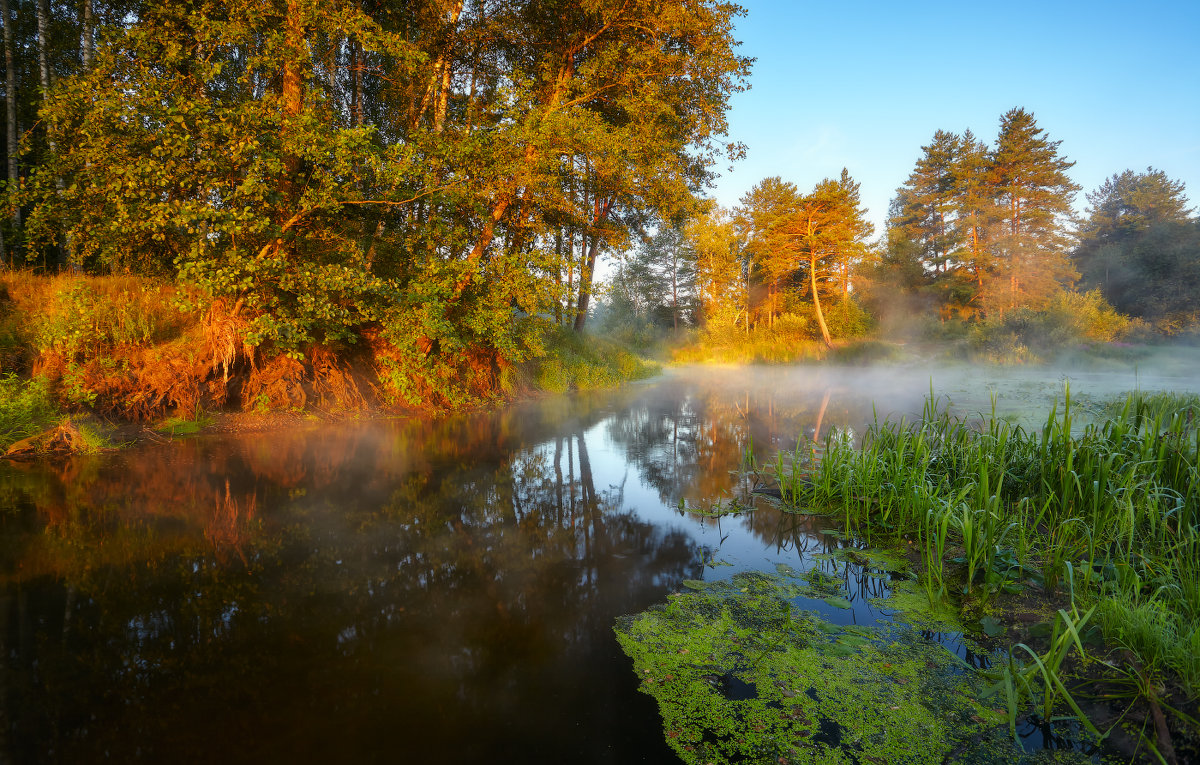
x=924 y=208
x=1140 y=246
x=1030 y=259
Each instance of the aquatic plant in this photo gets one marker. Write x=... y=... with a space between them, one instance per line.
x=742 y=674
x=1109 y=511
x=1019 y=679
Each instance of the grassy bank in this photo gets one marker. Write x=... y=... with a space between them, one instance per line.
x=133 y=348
x=1104 y=521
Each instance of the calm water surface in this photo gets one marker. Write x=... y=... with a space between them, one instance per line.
x=394 y=591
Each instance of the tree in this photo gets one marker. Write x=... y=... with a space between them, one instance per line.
x=1127 y=204
x=417 y=170
x=720 y=269
x=1139 y=246
x=852 y=249
x=826 y=227
x=1028 y=179
x=759 y=216
x=924 y=210
x=10 y=114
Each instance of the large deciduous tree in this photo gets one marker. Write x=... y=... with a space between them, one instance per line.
x=419 y=169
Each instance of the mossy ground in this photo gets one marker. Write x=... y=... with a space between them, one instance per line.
x=742 y=673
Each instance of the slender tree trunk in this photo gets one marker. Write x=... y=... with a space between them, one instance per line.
x=675 y=288
x=88 y=43
x=356 y=75
x=293 y=91
x=331 y=71
x=570 y=307
x=43 y=21
x=599 y=215
x=43 y=41
x=10 y=108
x=558 y=251
x=812 y=275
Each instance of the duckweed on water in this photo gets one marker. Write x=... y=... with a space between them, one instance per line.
x=741 y=674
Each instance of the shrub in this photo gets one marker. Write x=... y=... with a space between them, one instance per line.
x=584 y=363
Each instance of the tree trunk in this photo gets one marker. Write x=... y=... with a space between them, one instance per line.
x=439 y=111
x=585 y=284
x=599 y=215
x=10 y=107
x=675 y=288
x=43 y=42
x=89 y=31
x=331 y=71
x=43 y=21
x=812 y=275
x=356 y=76
x=293 y=92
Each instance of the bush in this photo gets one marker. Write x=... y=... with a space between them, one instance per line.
x=1089 y=315
x=846 y=319
x=1071 y=319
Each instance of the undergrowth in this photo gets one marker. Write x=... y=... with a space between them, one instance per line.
x=584 y=362
x=26 y=409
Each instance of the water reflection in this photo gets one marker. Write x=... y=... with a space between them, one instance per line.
x=427 y=590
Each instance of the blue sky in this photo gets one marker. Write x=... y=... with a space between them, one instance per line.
x=864 y=85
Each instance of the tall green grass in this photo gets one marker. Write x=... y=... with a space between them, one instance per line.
x=1107 y=515
x=26 y=409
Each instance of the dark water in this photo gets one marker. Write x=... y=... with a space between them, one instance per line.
x=389 y=591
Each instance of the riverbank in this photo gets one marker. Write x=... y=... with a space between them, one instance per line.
x=137 y=354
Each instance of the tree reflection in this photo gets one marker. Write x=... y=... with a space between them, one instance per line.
x=442 y=589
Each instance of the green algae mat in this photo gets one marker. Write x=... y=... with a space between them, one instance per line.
x=743 y=674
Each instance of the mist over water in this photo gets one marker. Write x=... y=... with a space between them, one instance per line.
x=431 y=591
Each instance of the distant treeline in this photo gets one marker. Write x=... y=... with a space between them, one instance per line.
x=430 y=173
x=976 y=234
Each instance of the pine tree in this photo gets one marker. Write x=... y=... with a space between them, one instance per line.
x=759 y=215
x=1030 y=259
x=924 y=209
x=850 y=249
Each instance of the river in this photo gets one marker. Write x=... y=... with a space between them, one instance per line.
x=403 y=590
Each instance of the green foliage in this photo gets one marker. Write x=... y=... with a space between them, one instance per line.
x=588 y=362
x=983 y=232
x=323 y=206
x=1070 y=319
x=846 y=319
x=26 y=408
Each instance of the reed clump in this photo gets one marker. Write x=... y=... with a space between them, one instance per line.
x=1105 y=517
